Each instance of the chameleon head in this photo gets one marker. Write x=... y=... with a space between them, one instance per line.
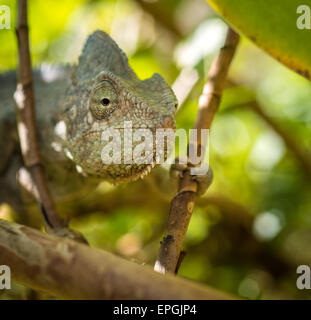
x=110 y=114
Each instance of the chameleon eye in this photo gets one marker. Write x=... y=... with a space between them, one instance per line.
x=103 y=100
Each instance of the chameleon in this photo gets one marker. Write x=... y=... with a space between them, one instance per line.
x=75 y=104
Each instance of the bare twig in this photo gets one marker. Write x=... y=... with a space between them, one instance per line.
x=183 y=203
x=25 y=113
x=70 y=270
x=212 y=91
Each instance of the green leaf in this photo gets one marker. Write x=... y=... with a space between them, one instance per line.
x=272 y=25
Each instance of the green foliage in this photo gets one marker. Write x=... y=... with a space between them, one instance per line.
x=272 y=26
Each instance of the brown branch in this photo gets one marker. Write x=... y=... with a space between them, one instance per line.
x=212 y=91
x=71 y=270
x=183 y=203
x=27 y=131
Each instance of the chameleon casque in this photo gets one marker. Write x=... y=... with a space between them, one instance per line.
x=73 y=109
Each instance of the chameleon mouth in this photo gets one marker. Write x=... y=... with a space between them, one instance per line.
x=88 y=153
x=133 y=175
x=136 y=176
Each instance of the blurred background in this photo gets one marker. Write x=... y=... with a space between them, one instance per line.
x=252 y=229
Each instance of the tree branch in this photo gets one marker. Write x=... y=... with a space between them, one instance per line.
x=183 y=203
x=27 y=131
x=25 y=111
x=71 y=270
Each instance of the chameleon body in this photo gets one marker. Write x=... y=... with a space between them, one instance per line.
x=74 y=106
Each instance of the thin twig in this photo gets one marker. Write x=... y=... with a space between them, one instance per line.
x=183 y=203
x=26 y=123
